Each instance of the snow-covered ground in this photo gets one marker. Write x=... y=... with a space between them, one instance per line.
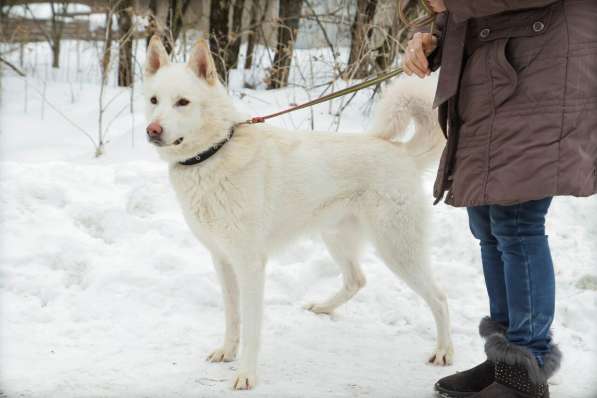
x=104 y=292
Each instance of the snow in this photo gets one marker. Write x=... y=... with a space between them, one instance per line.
x=44 y=11
x=105 y=292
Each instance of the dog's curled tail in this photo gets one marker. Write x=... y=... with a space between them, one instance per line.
x=404 y=101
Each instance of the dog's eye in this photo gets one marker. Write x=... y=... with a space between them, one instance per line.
x=153 y=100
x=182 y=102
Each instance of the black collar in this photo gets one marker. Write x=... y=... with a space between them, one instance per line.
x=208 y=153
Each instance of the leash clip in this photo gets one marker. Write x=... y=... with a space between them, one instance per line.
x=257 y=119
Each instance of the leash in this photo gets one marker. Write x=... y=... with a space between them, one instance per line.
x=328 y=97
x=429 y=19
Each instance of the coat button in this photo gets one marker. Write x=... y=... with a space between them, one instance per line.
x=484 y=34
x=538 y=27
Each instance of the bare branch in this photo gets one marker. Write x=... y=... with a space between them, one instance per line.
x=13 y=67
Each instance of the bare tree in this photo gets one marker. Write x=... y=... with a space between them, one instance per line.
x=358 y=64
x=218 y=34
x=258 y=15
x=12 y=66
x=125 y=43
x=388 y=30
x=104 y=70
x=56 y=28
x=289 y=15
x=252 y=34
x=152 y=26
x=174 y=22
x=234 y=36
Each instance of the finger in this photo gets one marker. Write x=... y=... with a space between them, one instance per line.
x=407 y=65
x=413 y=43
x=429 y=43
x=418 y=57
x=414 y=68
x=406 y=69
x=421 y=60
x=414 y=63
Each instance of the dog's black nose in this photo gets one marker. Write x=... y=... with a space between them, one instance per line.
x=154 y=130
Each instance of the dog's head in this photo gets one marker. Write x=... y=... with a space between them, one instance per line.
x=186 y=106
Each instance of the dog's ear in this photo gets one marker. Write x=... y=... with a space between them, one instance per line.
x=202 y=63
x=157 y=57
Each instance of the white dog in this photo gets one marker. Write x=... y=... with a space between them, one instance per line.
x=255 y=188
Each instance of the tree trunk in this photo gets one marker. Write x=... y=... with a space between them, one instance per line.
x=252 y=34
x=57 y=26
x=105 y=67
x=174 y=22
x=386 y=54
x=125 y=45
x=152 y=26
x=289 y=15
x=218 y=34
x=106 y=54
x=235 y=37
x=358 y=64
x=55 y=53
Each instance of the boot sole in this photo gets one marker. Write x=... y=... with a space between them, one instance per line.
x=443 y=393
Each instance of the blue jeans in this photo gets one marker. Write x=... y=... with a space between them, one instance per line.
x=518 y=270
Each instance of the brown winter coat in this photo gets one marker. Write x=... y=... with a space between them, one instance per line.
x=517 y=97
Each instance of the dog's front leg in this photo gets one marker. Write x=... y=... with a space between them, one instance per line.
x=250 y=277
x=229 y=287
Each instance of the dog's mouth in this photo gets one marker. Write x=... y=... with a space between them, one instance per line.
x=160 y=143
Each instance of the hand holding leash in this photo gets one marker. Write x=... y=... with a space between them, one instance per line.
x=422 y=44
x=415 y=59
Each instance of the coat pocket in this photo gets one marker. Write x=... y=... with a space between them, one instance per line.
x=522 y=51
x=504 y=77
x=525 y=32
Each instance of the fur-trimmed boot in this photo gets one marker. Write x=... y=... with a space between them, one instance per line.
x=517 y=373
x=469 y=382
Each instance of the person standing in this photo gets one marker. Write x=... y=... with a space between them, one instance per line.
x=517 y=99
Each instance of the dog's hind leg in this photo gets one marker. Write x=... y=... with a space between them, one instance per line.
x=344 y=244
x=229 y=287
x=402 y=244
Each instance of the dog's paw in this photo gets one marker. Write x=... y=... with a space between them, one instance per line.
x=222 y=355
x=442 y=357
x=318 y=309
x=244 y=381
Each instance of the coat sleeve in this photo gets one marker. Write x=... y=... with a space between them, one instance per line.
x=435 y=58
x=461 y=10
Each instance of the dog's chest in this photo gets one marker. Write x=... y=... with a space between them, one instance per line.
x=209 y=204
